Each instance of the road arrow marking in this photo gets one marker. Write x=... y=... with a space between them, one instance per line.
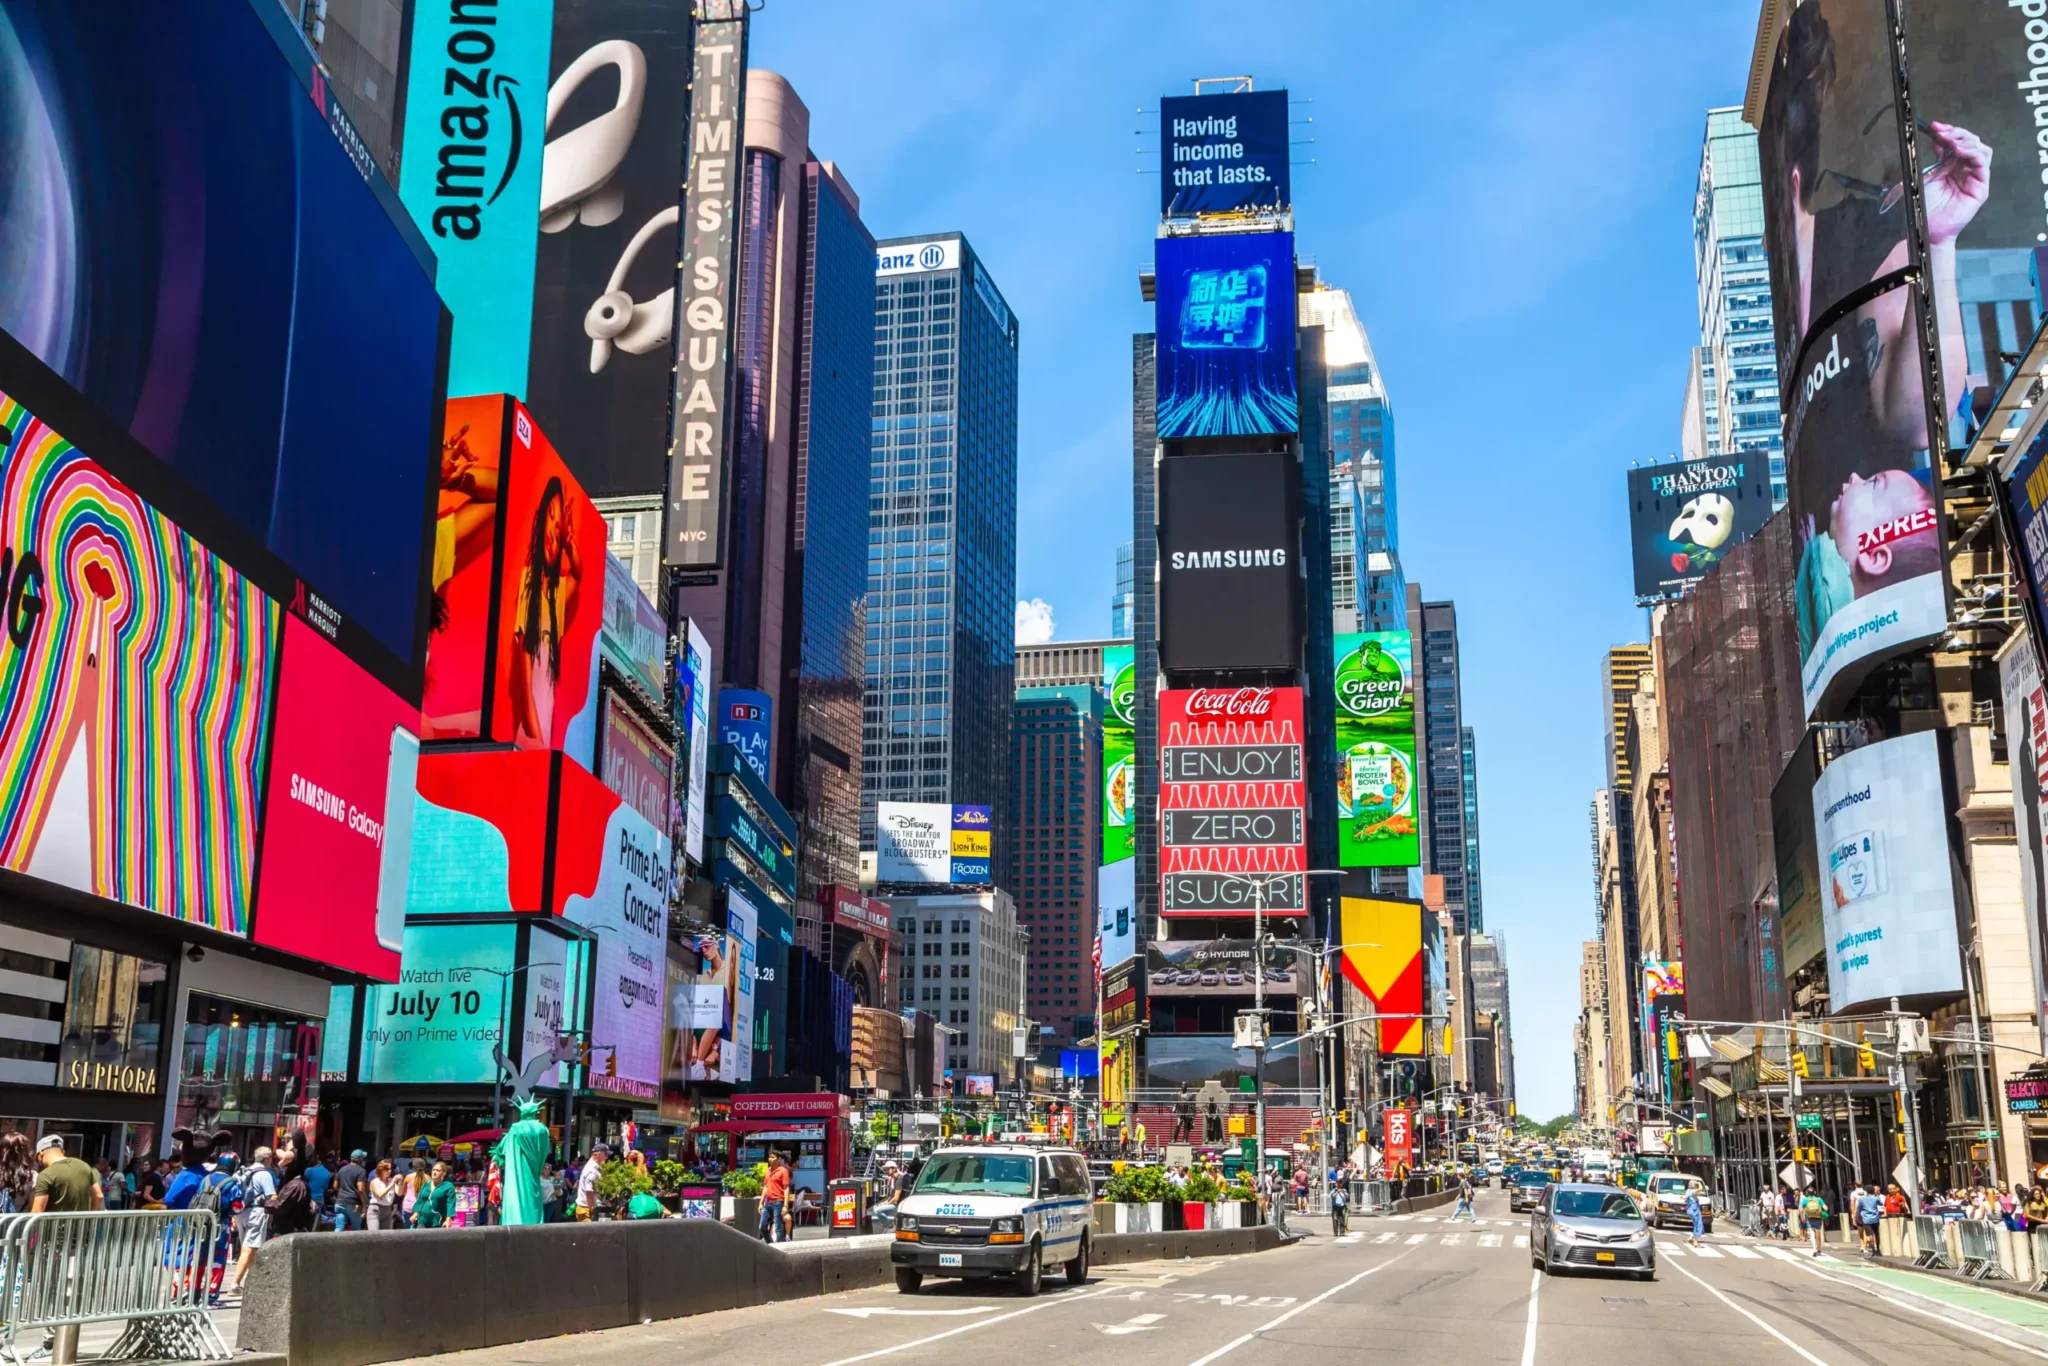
x=868 y=1312
x=1131 y=1325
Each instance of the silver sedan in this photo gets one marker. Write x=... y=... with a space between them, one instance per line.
x=1598 y=1228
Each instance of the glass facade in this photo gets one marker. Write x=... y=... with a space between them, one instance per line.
x=1444 y=736
x=1468 y=763
x=828 y=578
x=1056 y=775
x=753 y=367
x=1145 y=625
x=1368 y=589
x=942 y=547
x=1126 y=591
x=1737 y=360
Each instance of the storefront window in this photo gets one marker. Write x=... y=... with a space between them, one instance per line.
x=247 y=1067
x=113 y=1022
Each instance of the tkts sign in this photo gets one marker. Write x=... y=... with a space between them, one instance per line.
x=1232 y=827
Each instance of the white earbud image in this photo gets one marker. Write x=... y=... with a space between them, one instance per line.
x=615 y=319
x=576 y=168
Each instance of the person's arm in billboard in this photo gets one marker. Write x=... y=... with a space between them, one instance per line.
x=1956 y=188
x=1898 y=391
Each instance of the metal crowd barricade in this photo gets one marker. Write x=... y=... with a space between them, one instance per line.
x=1978 y=1240
x=150 y=1268
x=1752 y=1219
x=1930 y=1250
x=1371 y=1197
x=2040 y=1246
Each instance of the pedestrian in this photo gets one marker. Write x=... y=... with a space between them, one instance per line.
x=1813 y=1211
x=1694 y=1215
x=586 y=1184
x=436 y=1204
x=351 y=1192
x=259 y=1184
x=149 y=1183
x=18 y=1169
x=113 y=1189
x=1869 y=1210
x=415 y=1181
x=387 y=1188
x=1895 y=1204
x=2037 y=1206
x=550 y=1193
x=1340 y=1210
x=292 y=1209
x=65 y=1185
x=319 y=1181
x=774 y=1194
x=1464 y=1205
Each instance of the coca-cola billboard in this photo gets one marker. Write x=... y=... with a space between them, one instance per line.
x=1232 y=820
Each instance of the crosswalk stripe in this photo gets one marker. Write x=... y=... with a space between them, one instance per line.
x=1781 y=1254
x=1745 y=1254
x=1521 y=1240
x=1489 y=1240
x=1399 y=1218
x=1453 y=1239
x=1415 y=1238
x=1429 y=1218
x=1670 y=1249
x=1704 y=1251
x=1384 y=1238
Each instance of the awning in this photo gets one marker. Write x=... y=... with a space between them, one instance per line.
x=1731 y=1050
x=754 y=1126
x=1717 y=1087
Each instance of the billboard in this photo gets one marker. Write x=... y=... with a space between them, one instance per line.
x=1174 y=1060
x=338 y=806
x=692 y=701
x=1123 y=997
x=1223 y=153
x=1685 y=515
x=931 y=842
x=1231 y=800
x=517 y=602
x=1798 y=867
x=600 y=353
x=1382 y=957
x=1376 y=778
x=204 y=260
x=475 y=109
x=613 y=871
x=1116 y=897
x=1217 y=967
x=1119 y=746
x=1225 y=327
x=2023 y=483
x=746 y=721
x=2026 y=747
x=1870 y=579
x=1662 y=979
x=635 y=762
x=736 y=1039
x=1888 y=897
x=1398 y=1147
x=480 y=833
x=633 y=638
x=700 y=424
x=441 y=1019
x=135 y=691
x=1229 y=575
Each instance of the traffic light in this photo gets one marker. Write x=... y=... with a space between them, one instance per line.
x=1343 y=1116
x=1866 y=1059
x=1799 y=1062
x=611 y=1063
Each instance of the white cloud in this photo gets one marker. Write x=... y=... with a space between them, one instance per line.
x=1034 y=621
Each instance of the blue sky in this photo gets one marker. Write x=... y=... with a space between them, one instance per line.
x=1506 y=190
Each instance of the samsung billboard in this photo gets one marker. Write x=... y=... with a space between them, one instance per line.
x=1229 y=575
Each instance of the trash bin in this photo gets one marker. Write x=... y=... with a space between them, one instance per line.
x=846 y=1207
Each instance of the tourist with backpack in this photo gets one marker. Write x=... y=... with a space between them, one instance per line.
x=259 y=1184
x=216 y=1192
x=1814 y=1211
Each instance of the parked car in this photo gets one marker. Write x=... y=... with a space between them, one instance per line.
x=1596 y=1228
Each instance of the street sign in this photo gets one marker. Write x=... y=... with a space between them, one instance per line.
x=1808 y=1121
x=1987 y=1133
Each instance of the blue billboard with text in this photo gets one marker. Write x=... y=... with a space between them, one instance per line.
x=1223 y=153
x=1226 y=335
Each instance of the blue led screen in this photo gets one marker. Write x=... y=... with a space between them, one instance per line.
x=1226 y=335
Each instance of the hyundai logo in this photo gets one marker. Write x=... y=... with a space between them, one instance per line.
x=931 y=256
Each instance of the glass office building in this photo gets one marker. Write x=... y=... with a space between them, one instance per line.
x=1444 y=736
x=1368 y=590
x=942 y=547
x=1734 y=407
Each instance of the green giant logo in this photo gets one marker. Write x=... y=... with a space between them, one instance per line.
x=1371 y=681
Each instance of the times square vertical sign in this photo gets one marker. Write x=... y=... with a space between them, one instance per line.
x=698 y=425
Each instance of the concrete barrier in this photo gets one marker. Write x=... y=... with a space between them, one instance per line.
x=358 y=1298
x=1411 y=1204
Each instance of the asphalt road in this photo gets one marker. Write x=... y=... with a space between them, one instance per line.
x=1400 y=1289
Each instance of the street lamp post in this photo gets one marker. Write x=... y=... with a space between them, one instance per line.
x=1258 y=884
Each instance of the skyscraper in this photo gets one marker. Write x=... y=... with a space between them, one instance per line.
x=1367 y=585
x=1444 y=737
x=1468 y=768
x=1057 y=782
x=1735 y=366
x=1126 y=591
x=942 y=540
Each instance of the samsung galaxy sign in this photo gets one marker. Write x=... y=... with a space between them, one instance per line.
x=916 y=258
x=1273 y=557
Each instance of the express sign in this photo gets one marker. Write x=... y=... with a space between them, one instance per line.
x=1231 y=801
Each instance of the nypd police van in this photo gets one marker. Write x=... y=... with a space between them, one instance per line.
x=998 y=1209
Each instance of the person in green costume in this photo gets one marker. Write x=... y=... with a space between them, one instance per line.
x=520 y=1153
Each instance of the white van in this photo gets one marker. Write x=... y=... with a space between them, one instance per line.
x=996 y=1209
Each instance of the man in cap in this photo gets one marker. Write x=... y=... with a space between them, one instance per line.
x=65 y=1185
x=351 y=1192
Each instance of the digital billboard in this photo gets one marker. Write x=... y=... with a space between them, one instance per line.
x=1225 y=328
x=480 y=833
x=931 y=842
x=633 y=637
x=1176 y=1060
x=612 y=868
x=746 y=721
x=1230 y=583
x=1123 y=997
x=2022 y=483
x=1799 y=936
x=1223 y=153
x=192 y=246
x=1888 y=899
x=135 y=691
x=1231 y=800
x=736 y=1039
x=1376 y=778
x=635 y=762
x=475 y=109
x=1862 y=494
x=2026 y=747
x=601 y=351
x=464 y=576
x=1217 y=967
x=1382 y=957
x=441 y=1019
x=1119 y=746
x=1685 y=515
x=338 y=807
x=1116 y=910
x=692 y=703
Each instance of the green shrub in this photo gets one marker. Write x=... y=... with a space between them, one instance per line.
x=669 y=1176
x=1201 y=1189
x=1141 y=1186
x=619 y=1181
x=746 y=1183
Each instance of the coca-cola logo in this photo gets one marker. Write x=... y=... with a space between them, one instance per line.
x=1230 y=702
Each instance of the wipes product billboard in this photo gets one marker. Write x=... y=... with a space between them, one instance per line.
x=1375 y=694
x=1888 y=899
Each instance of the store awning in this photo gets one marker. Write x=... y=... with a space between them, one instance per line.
x=1717 y=1087
x=754 y=1126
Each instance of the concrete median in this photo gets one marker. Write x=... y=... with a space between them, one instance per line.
x=359 y=1298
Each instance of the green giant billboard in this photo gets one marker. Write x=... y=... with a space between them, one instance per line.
x=1376 y=795
x=1119 y=746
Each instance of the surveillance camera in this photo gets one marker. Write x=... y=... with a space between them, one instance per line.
x=195 y=953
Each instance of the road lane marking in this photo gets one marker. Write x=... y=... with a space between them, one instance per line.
x=871 y=1310
x=1711 y=1290
x=1428 y=1219
x=1136 y=1324
x=1415 y=1238
x=1671 y=1249
x=1399 y=1218
x=1269 y=1326
x=1453 y=1239
x=1781 y=1254
x=1384 y=1238
x=1879 y=1288
x=1703 y=1251
x=970 y=1327
x=1529 y=1335
x=1521 y=1240
x=1744 y=1254
x=1489 y=1240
